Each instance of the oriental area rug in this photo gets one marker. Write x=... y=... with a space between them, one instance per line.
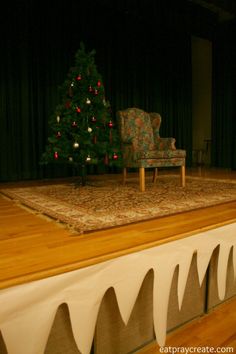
x=106 y=203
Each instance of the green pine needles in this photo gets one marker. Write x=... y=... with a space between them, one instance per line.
x=82 y=129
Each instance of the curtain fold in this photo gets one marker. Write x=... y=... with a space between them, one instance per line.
x=142 y=52
x=224 y=93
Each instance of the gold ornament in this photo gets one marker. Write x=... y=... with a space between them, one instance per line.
x=88 y=101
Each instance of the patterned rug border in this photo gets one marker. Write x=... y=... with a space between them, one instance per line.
x=59 y=213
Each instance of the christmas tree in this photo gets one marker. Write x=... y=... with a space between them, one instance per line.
x=82 y=129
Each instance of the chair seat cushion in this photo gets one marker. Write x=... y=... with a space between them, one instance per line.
x=160 y=154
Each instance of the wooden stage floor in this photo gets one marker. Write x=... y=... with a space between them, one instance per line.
x=33 y=247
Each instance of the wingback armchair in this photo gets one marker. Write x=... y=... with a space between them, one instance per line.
x=142 y=146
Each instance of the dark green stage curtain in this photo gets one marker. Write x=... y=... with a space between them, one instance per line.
x=224 y=93
x=150 y=67
x=143 y=52
x=35 y=57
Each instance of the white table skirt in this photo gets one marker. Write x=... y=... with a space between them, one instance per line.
x=27 y=311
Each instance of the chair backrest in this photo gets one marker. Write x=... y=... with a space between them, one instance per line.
x=156 y=123
x=136 y=128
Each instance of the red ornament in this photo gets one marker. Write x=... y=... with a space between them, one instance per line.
x=78 y=78
x=93 y=119
x=115 y=156
x=95 y=92
x=78 y=109
x=58 y=135
x=56 y=155
x=90 y=89
x=110 y=124
x=99 y=83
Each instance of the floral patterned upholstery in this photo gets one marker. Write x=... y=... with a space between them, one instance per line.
x=142 y=145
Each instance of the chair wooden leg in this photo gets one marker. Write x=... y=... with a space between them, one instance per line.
x=142 y=179
x=155 y=173
x=182 y=175
x=124 y=174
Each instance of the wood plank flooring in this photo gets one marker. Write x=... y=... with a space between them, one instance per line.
x=216 y=330
x=33 y=247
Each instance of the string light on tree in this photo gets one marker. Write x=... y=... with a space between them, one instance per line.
x=74 y=124
x=76 y=145
x=71 y=89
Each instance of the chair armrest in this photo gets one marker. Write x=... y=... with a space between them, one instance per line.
x=165 y=144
